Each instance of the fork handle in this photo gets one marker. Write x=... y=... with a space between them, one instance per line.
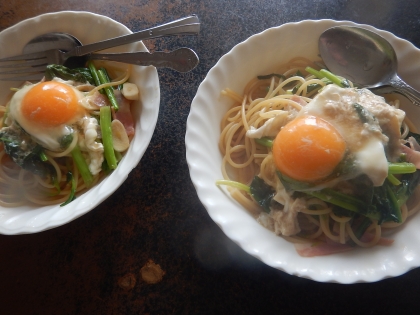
x=187 y=26
x=403 y=88
x=181 y=60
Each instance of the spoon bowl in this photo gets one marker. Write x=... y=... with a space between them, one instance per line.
x=365 y=58
x=53 y=40
x=56 y=40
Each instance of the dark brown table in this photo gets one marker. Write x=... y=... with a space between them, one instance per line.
x=93 y=264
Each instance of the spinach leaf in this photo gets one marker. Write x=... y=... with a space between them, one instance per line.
x=345 y=83
x=262 y=193
x=25 y=152
x=66 y=140
x=78 y=74
x=385 y=205
x=359 y=226
x=364 y=115
x=269 y=76
x=363 y=188
x=389 y=198
x=293 y=185
x=344 y=167
x=409 y=182
x=298 y=74
x=311 y=87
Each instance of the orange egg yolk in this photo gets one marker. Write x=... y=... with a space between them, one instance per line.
x=50 y=104
x=308 y=149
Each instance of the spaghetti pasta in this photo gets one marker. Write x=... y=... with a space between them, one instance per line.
x=251 y=126
x=23 y=184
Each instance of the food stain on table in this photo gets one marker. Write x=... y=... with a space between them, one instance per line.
x=127 y=282
x=151 y=273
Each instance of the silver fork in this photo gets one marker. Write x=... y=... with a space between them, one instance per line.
x=181 y=60
x=34 y=64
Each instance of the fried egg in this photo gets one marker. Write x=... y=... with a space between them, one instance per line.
x=47 y=111
x=337 y=129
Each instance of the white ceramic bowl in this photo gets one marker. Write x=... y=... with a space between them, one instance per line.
x=88 y=28
x=258 y=55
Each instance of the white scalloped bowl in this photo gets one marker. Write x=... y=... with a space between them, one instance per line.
x=88 y=28
x=258 y=55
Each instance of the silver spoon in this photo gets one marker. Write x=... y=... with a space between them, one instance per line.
x=365 y=58
x=182 y=59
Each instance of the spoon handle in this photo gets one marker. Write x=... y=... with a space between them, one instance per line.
x=186 y=26
x=403 y=88
x=181 y=60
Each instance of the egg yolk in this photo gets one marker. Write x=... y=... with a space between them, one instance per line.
x=308 y=149
x=50 y=104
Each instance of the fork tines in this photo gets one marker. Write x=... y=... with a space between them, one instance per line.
x=29 y=77
x=31 y=56
x=30 y=67
x=24 y=73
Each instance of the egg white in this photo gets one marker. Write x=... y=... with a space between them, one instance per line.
x=46 y=136
x=365 y=141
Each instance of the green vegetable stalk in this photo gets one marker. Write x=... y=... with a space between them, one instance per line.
x=395 y=214
x=259 y=190
x=401 y=168
x=105 y=124
x=94 y=73
x=109 y=91
x=265 y=141
x=334 y=79
x=72 y=180
x=393 y=180
x=323 y=73
x=82 y=166
x=314 y=72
